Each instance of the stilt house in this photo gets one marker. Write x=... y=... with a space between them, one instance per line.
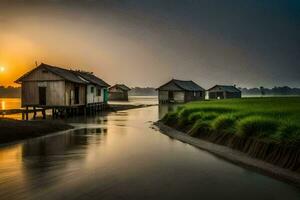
x=49 y=86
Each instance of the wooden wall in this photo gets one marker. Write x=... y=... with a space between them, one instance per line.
x=69 y=94
x=194 y=96
x=93 y=97
x=231 y=95
x=216 y=95
x=54 y=93
x=179 y=96
x=115 y=96
x=224 y=95
x=58 y=91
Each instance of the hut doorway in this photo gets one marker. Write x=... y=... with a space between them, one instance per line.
x=42 y=96
x=76 y=95
x=171 y=95
x=220 y=95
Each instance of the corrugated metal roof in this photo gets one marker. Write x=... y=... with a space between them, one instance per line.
x=92 y=78
x=64 y=73
x=185 y=85
x=70 y=75
x=227 y=88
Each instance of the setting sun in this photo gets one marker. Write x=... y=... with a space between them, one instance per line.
x=2 y=69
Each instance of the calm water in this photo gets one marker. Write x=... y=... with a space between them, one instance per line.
x=119 y=156
x=15 y=103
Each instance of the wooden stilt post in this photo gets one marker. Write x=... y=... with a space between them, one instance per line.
x=34 y=112
x=44 y=113
x=26 y=112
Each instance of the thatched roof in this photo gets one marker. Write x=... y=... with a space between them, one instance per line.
x=69 y=75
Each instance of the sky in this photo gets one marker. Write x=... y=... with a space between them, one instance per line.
x=148 y=42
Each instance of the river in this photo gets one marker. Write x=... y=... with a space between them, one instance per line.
x=120 y=156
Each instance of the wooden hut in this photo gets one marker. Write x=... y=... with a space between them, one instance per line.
x=118 y=92
x=179 y=91
x=224 y=92
x=48 y=86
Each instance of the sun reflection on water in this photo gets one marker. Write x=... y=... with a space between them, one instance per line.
x=3 y=106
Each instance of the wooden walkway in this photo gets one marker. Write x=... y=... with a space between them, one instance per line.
x=24 y=112
x=57 y=111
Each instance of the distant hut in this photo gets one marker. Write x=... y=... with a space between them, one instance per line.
x=224 y=92
x=179 y=91
x=49 y=86
x=118 y=92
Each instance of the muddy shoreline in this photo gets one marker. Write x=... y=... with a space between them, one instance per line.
x=12 y=130
x=234 y=156
x=16 y=130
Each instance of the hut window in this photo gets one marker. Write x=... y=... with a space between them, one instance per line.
x=99 y=92
x=92 y=89
x=44 y=71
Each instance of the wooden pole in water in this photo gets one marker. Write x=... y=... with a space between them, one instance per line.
x=34 y=112
x=44 y=113
x=26 y=112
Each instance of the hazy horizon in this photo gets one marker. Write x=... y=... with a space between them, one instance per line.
x=146 y=43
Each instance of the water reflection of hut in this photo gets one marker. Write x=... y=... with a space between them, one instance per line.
x=163 y=109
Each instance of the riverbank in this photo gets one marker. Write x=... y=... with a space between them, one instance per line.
x=232 y=155
x=13 y=130
x=273 y=119
x=263 y=128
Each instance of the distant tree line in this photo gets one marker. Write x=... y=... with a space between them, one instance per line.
x=145 y=91
x=10 y=92
x=285 y=90
x=15 y=92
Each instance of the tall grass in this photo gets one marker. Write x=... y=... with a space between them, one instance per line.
x=225 y=124
x=275 y=118
x=257 y=126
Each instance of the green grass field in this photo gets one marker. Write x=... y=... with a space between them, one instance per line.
x=275 y=119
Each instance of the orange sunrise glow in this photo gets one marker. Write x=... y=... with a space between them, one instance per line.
x=149 y=99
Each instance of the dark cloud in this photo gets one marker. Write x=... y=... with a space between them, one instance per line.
x=243 y=42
